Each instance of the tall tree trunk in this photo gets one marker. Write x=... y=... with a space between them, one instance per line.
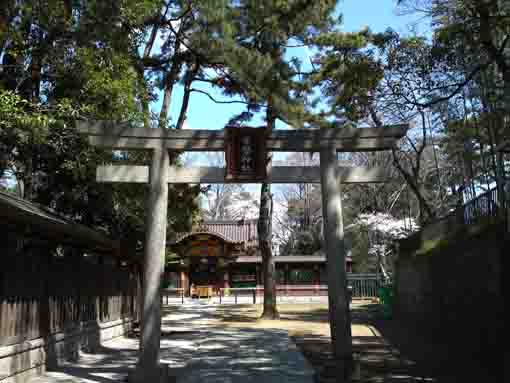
x=146 y=54
x=503 y=198
x=506 y=95
x=264 y=228
x=190 y=76
x=495 y=128
x=170 y=80
x=495 y=44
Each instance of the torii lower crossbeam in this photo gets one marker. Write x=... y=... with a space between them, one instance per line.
x=216 y=175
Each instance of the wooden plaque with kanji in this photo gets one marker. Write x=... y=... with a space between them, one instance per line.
x=245 y=154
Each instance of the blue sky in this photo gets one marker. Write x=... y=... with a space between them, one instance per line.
x=378 y=15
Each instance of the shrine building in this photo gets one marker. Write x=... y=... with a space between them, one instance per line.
x=224 y=254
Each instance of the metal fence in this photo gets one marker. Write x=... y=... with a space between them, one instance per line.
x=364 y=285
x=482 y=206
x=361 y=286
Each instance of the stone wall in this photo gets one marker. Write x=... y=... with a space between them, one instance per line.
x=21 y=361
x=452 y=288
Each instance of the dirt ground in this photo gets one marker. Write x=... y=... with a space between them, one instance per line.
x=385 y=350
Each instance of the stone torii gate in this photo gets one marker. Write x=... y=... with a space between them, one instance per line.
x=328 y=142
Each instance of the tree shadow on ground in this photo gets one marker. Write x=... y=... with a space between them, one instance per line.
x=376 y=360
x=443 y=360
x=402 y=354
x=251 y=314
x=245 y=354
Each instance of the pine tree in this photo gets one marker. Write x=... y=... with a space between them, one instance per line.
x=259 y=72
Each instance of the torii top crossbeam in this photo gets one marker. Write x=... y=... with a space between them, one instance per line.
x=113 y=135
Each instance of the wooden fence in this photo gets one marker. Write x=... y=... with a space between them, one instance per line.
x=44 y=291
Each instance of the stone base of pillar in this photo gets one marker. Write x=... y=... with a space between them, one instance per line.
x=161 y=375
x=333 y=371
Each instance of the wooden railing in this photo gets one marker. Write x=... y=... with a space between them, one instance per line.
x=168 y=293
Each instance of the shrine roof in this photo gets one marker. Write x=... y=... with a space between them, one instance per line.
x=240 y=231
x=48 y=224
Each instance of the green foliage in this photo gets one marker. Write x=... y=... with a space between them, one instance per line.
x=254 y=50
x=66 y=60
x=348 y=74
x=109 y=85
x=25 y=126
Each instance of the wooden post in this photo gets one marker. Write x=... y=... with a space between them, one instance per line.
x=286 y=278
x=226 y=279
x=148 y=368
x=185 y=281
x=335 y=256
x=316 y=269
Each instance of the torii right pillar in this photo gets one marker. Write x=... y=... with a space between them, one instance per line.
x=338 y=298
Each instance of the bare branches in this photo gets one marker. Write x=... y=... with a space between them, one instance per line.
x=457 y=90
x=224 y=101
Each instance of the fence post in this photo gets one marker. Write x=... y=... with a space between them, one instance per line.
x=182 y=296
x=221 y=293
x=235 y=297
x=254 y=296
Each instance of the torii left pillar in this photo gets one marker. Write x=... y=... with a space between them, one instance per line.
x=148 y=368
